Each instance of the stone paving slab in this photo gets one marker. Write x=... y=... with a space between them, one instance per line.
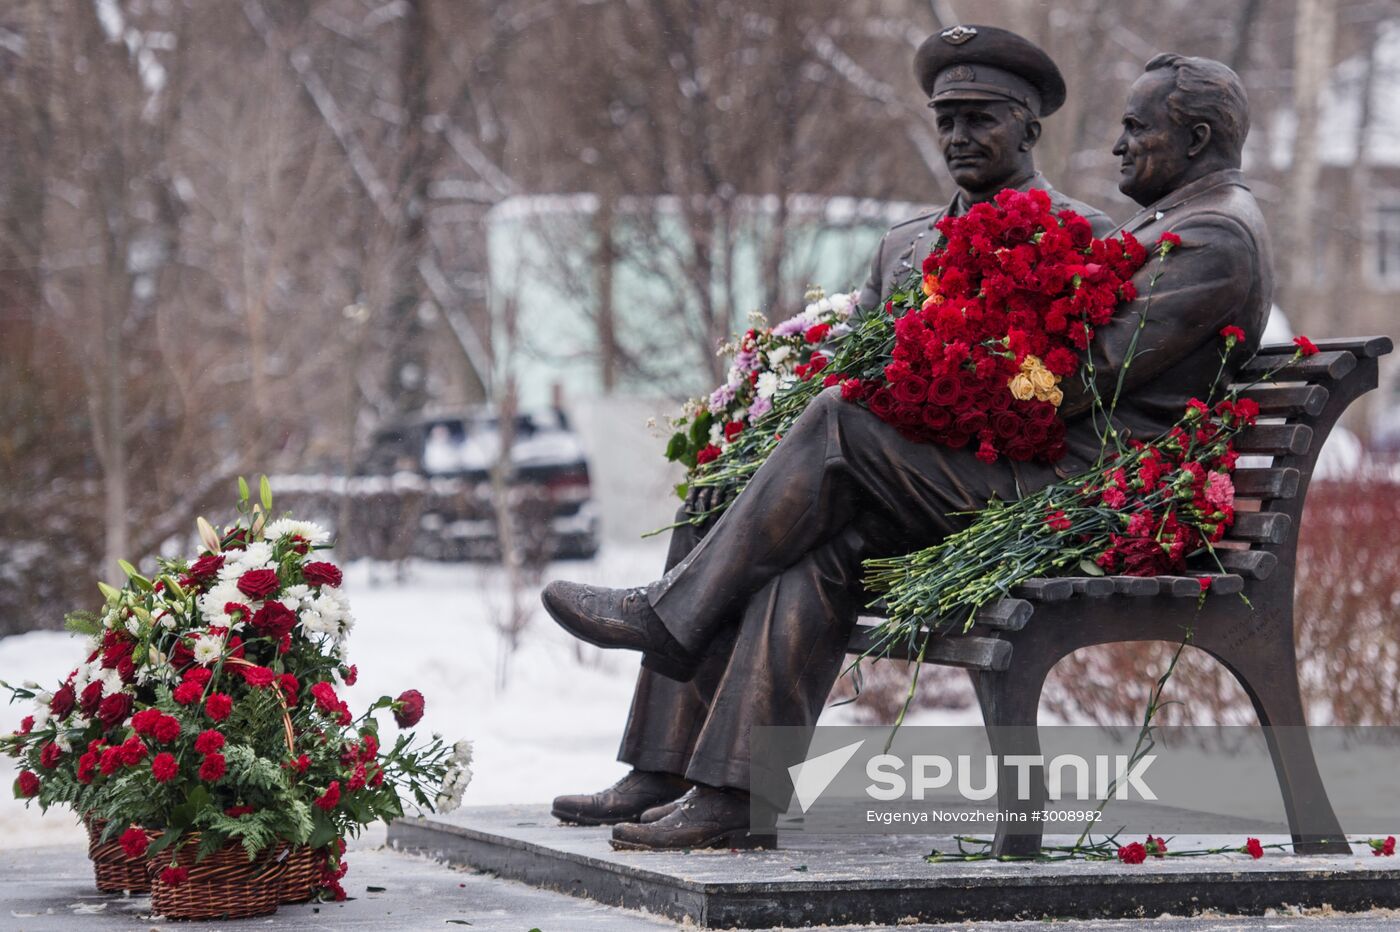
x=882 y=879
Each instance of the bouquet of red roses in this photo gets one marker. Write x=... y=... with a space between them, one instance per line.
x=1010 y=299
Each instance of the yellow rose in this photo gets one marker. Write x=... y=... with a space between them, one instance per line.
x=930 y=285
x=1021 y=387
x=1056 y=396
x=1042 y=380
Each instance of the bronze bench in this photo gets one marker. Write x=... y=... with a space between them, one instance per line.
x=1009 y=658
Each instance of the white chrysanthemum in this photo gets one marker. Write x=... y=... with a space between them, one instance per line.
x=77 y=721
x=292 y=595
x=61 y=739
x=317 y=623
x=716 y=433
x=211 y=604
x=462 y=752
x=41 y=716
x=41 y=696
x=111 y=682
x=308 y=531
x=256 y=556
x=207 y=649
x=767 y=384
x=778 y=354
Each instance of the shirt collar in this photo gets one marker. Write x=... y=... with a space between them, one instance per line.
x=957 y=207
x=1173 y=200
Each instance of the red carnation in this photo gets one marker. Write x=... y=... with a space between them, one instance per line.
x=289 y=686
x=259 y=584
x=1305 y=346
x=408 y=708
x=50 y=755
x=1157 y=847
x=27 y=786
x=1383 y=848
x=327 y=800
x=352 y=673
x=1134 y=853
x=1253 y=848
x=1169 y=240
x=218 y=706
x=187 y=693
x=164 y=767
x=1057 y=521
x=321 y=574
x=134 y=842
x=817 y=333
x=732 y=430
x=111 y=759
x=1232 y=335
x=166 y=729
x=234 y=812
x=256 y=676
x=709 y=453
x=326 y=699
x=208 y=742
x=133 y=751
x=199 y=675
x=301 y=764
x=212 y=768
x=174 y=876
x=142 y=722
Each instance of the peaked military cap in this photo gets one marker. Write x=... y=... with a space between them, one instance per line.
x=987 y=63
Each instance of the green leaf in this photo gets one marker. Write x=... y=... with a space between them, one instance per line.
x=1090 y=568
x=700 y=430
x=682 y=489
x=323 y=830
x=676 y=446
x=265 y=493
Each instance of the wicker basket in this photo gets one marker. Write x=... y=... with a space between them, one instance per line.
x=114 y=869
x=225 y=885
x=299 y=876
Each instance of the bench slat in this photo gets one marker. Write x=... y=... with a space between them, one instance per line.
x=1223 y=583
x=962 y=650
x=1288 y=400
x=1179 y=586
x=1264 y=527
x=1329 y=365
x=1277 y=482
x=1365 y=347
x=1045 y=590
x=1095 y=587
x=1003 y=614
x=1251 y=564
x=1135 y=585
x=1275 y=439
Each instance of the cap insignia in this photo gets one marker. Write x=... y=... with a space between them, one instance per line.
x=960 y=73
x=957 y=35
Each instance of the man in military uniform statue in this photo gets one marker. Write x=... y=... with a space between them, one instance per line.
x=988 y=89
x=766 y=600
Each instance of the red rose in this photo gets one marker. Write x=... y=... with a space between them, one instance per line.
x=218 y=706
x=50 y=755
x=212 y=768
x=328 y=800
x=166 y=729
x=910 y=390
x=62 y=702
x=90 y=699
x=882 y=403
x=27 y=785
x=274 y=620
x=113 y=710
x=209 y=741
x=328 y=574
x=187 y=693
x=943 y=391
x=174 y=876
x=206 y=567
x=164 y=767
x=1253 y=848
x=134 y=842
x=1134 y=853
x=259 y=584
x=408 y=708
x=1305 y=346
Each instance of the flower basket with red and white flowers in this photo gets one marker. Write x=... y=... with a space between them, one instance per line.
x=204 y=732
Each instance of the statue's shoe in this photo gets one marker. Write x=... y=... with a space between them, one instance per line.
x=657 y=813
x=706 y=817
x=624 y=801
x=618 y=618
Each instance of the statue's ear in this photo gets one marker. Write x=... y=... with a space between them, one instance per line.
x=1200 y=139
x=1032 y=135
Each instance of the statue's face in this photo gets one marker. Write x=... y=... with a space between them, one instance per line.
x=1152 y=149
x=984 y=143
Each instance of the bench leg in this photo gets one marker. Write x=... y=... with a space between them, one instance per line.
x=1010 y=701
x=1269 y=676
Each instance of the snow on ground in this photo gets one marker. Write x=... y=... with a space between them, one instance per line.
x=546 y=719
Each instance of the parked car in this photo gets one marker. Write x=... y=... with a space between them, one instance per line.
x=546 y=487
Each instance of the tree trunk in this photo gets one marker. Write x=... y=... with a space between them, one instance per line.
x=1315 y=27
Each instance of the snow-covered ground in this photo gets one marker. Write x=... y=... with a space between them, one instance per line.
x=546 y=718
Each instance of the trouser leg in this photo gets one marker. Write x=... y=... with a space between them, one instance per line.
x=791 y=646
x=667 y=715
x=838 y=463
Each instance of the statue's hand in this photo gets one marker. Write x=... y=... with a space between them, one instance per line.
x=701 y=499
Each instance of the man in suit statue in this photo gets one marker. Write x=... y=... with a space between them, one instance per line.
x=988 y=89
x=774 y=587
